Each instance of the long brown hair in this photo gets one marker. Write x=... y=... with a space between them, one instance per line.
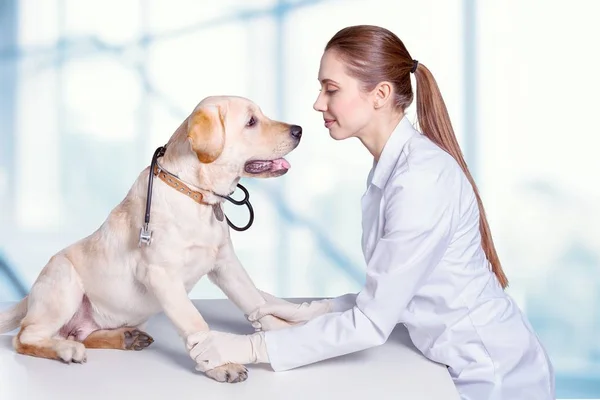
x=374 y=54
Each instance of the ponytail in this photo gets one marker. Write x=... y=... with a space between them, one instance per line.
x=434 y=122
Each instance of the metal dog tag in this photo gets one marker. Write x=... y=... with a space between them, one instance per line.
x=218 y=211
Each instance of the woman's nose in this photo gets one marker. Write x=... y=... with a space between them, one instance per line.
x=319 y=105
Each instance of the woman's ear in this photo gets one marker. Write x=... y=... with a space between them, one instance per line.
x=382 y=93
x=206 y=133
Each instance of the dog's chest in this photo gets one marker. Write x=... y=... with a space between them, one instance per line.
x=197 y=262
x=187 y=245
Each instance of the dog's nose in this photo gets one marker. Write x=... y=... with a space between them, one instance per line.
x=296 y=131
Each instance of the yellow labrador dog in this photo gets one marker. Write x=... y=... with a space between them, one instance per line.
x=100 y=291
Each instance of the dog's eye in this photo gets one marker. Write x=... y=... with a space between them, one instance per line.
x=251 y=122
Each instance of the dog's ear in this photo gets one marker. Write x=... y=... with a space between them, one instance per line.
x=206 y=133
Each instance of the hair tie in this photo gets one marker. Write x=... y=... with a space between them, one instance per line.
x=414 y=67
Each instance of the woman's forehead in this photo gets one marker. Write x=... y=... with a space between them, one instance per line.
x=332 y=69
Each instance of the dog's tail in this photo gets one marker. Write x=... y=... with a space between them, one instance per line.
x=11 y=319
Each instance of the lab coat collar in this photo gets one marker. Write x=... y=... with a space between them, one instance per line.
x=391 y=152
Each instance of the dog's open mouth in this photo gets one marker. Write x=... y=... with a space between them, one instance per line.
x=260 y=166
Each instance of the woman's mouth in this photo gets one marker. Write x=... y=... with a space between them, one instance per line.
x=329 y=122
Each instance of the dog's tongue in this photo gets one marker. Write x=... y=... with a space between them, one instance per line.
x=257 y=167
x=280 y=163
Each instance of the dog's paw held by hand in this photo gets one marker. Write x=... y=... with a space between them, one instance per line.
x=231 y=373
x=271 y=323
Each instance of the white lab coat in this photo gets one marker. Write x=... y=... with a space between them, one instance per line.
x=426 y=269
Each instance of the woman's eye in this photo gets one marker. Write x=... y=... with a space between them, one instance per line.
x=252 y=122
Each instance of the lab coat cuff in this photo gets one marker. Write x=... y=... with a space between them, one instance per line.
x=273 y=353
x=343 y=303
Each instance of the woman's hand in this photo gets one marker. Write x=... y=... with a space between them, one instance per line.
x=269 y=322
x=214 y=349
x=292 y=313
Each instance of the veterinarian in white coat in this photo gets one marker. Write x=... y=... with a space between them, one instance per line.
x=431 y=264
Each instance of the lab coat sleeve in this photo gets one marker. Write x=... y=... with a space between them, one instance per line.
x=419 y=224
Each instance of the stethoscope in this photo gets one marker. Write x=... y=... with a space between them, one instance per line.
x=146 y=234
x=245 y=201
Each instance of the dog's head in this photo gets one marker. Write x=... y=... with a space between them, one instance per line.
x=231 y=133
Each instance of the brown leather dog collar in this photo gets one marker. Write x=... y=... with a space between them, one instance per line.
x=178 y=185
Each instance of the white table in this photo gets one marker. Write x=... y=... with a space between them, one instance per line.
x=164 y=370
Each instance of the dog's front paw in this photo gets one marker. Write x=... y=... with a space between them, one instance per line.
x=232 y=373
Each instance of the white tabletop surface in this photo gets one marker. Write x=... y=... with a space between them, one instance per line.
x=164 y=370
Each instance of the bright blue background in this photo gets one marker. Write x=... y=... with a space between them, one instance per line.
x=88 y=90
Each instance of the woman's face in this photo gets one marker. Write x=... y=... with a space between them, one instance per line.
x=346 y=108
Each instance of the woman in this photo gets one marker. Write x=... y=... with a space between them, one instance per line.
x=431 y=261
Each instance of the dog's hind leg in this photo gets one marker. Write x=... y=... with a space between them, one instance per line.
x=54 y=298
x=121 y=339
